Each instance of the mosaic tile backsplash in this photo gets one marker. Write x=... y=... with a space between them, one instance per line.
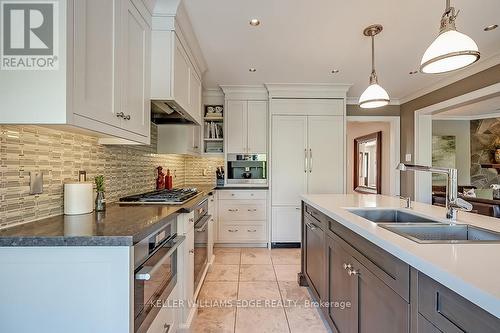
x=59 y=155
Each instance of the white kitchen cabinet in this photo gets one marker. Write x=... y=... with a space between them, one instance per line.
x=242 y=216
x=135 y=103
x=257 y=127
x=246 y=126
x=286 y=224
x=307 y=157
x=236 y=126
x=95 y=72
x=326 y=148
x=185 y=226
x=101 y=84
x=175 y=77
x=288 y=163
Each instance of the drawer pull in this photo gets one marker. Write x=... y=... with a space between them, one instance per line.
x=311 y=226
x=252 y=210
x=233 y=210
x=233 y=230
x=252 y=230
x=347 y=266
x=232 y=194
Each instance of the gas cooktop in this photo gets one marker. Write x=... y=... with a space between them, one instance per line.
x=176 y=196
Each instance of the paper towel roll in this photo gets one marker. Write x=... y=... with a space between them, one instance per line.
x=78 y=198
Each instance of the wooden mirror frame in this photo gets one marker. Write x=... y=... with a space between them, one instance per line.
x=358 y=141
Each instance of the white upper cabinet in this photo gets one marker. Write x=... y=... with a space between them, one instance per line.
x=175 y=78
x=102 y=83
x=95 y=72
x=135 y=103
x=181 y=65
x=236 y=126
x=257 y=127
x=246 y=127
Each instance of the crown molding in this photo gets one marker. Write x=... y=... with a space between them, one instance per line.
x=213 y=92
x=355 y=101
x=307 y=90
x=468 y=118
x=246 y=92
x=462 y=74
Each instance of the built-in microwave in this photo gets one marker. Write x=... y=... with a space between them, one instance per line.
x=246 y=169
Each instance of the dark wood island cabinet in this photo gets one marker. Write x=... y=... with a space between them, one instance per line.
x=366 y=289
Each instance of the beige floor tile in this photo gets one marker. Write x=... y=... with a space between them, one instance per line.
x=260 y=290
x=262 y=320
x=227 y=250
x=257 y=273
x=285 y=256
x=218 y=291
x=291 y=291
x=214 y=320
x=305 y=320
x=227 y=258
x=223 y=273
x=255 y=256
x=287 y=272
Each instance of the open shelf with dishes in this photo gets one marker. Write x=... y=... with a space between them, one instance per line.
x=213 y=129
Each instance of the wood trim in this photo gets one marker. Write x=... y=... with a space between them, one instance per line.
x=357 y=141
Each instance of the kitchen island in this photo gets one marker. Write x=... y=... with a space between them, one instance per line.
x=393 y=283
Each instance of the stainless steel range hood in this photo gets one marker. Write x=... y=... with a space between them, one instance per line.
x=168 y=112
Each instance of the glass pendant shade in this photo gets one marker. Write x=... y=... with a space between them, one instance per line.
x=373 y=97
x=451 y=50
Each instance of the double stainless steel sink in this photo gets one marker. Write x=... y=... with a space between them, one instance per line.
x=424 y=230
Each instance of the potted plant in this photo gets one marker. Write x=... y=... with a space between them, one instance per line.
x=100 y=201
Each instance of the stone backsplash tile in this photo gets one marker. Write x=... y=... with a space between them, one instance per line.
x=59 y=155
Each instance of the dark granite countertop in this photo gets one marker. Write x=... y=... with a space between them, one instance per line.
x=119 y=225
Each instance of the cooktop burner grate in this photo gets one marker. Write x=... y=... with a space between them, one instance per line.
x=174 y=196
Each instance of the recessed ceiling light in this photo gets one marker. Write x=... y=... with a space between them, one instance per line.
x=252 y=70
x=490 y=27
x=413 y=72
x=335 y=71
x=254 y=22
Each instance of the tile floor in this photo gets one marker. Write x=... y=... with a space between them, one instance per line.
x=255 y=276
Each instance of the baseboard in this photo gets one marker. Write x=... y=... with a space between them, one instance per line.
x=240 y=245
x=282 y=245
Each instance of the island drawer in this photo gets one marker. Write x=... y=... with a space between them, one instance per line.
x=317 y=215
x=450 y=312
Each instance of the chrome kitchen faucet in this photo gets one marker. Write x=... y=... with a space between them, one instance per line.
x=453 y=202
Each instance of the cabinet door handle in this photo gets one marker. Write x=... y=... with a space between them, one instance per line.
x=310 y=160
x=352 y=272
x=252 y=210
x=311 y=226
x=233 y=210
x=233 y=230
x=347 y=266
x=252 y=230
x=191 y=251
x=305 y=160
x=127 y=117
x=120 y=115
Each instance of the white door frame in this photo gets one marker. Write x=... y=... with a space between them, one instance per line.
x=423 y=134
x=394 y=142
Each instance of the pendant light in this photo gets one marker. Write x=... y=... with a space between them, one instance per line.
x=374 y=96
x=451 y=49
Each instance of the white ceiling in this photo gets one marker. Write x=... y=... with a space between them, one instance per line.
x=301 y=41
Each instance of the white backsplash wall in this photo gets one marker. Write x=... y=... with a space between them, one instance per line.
x=59 y=155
